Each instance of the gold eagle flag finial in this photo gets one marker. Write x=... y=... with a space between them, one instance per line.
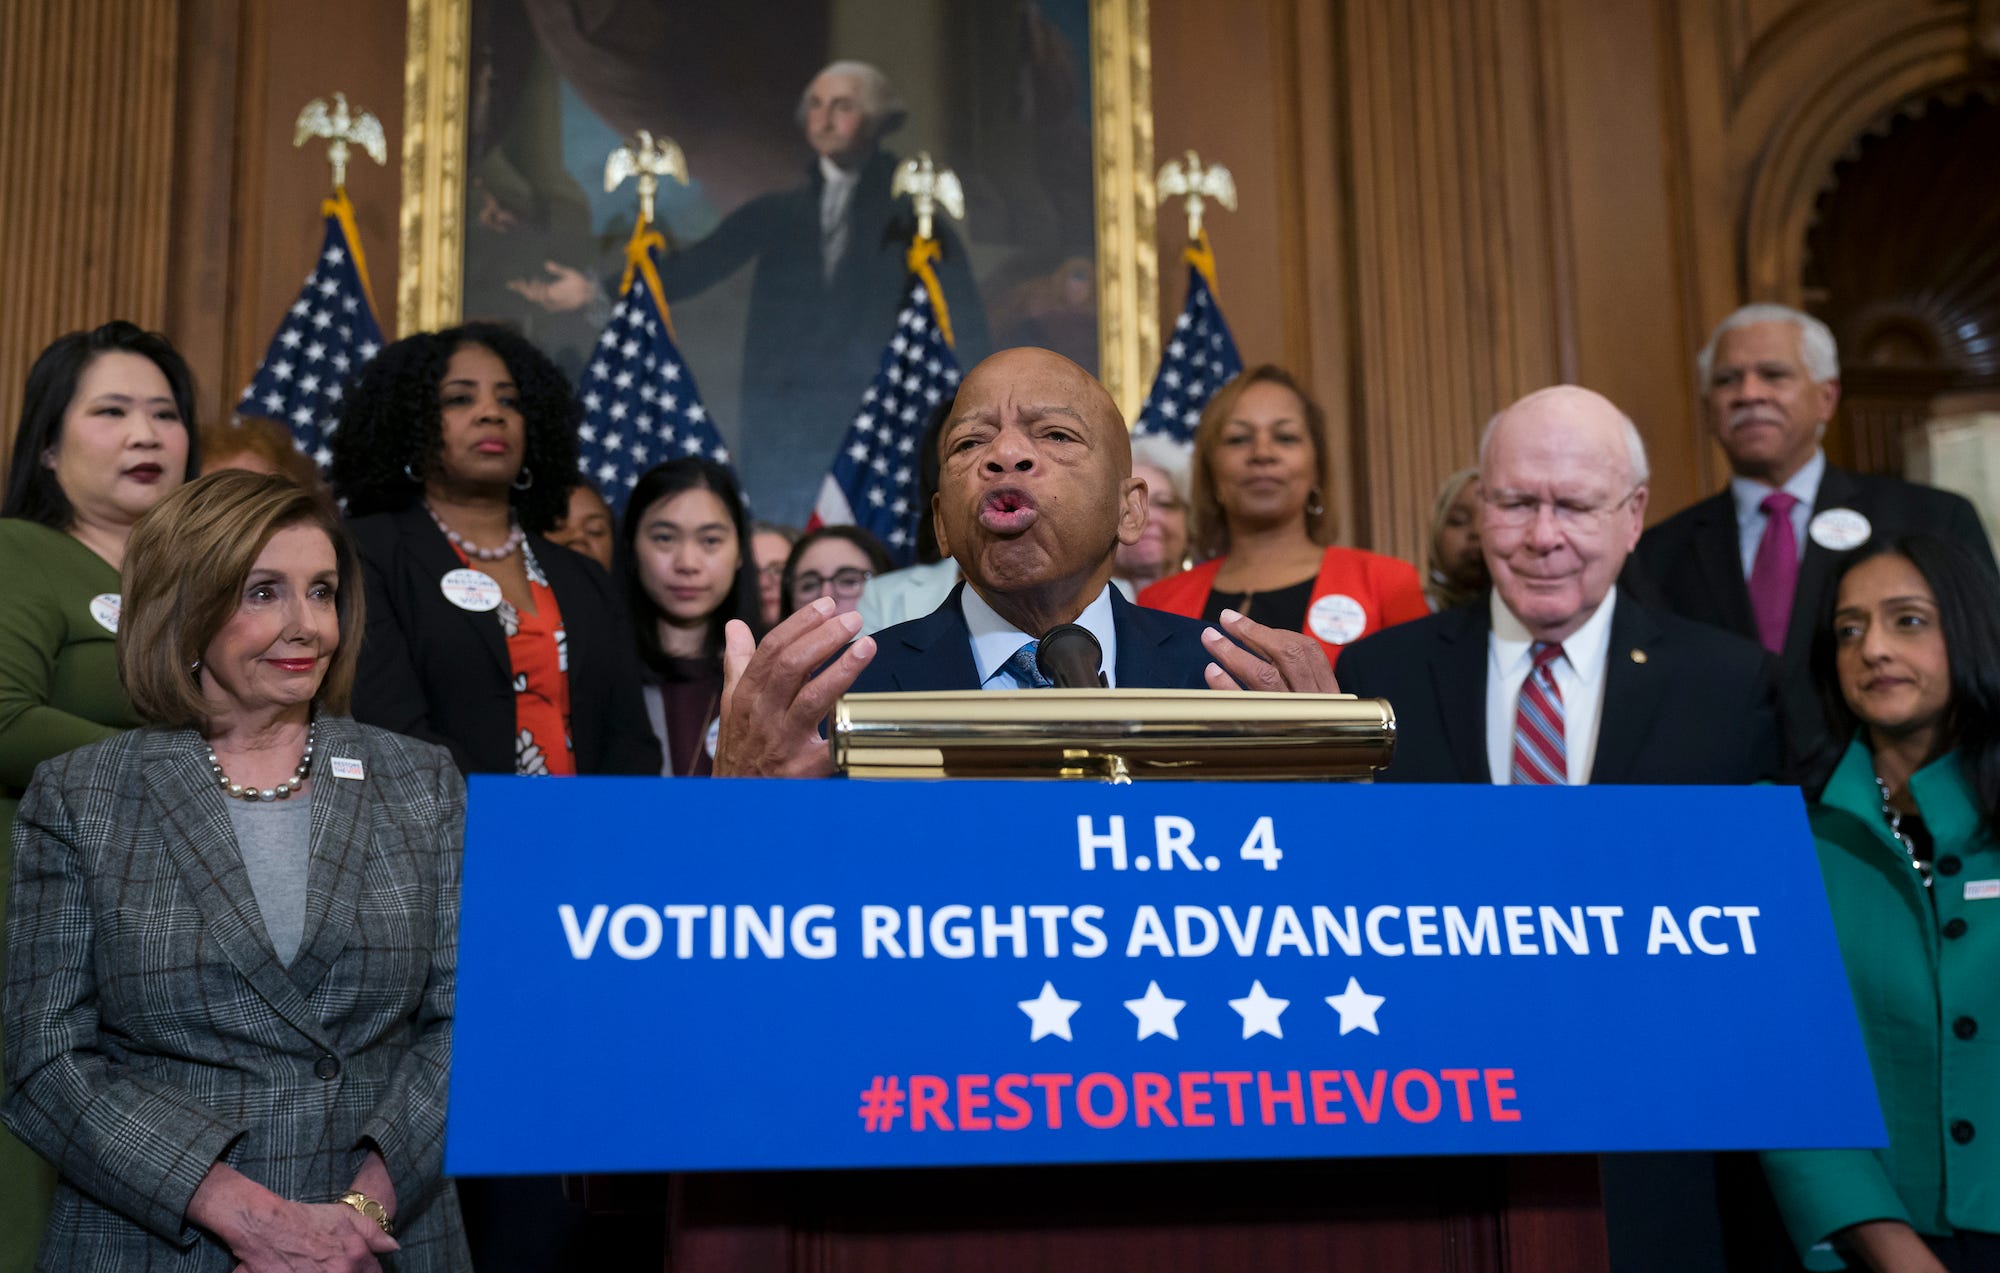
x=648 y=158
x=1194 y=183
x=930 y=187
x=343 y=129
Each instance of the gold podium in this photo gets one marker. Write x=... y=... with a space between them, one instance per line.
x=1113 y=735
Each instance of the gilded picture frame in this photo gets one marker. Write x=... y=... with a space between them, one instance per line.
x=432 y=230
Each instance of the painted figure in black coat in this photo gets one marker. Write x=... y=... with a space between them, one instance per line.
x=830 y=257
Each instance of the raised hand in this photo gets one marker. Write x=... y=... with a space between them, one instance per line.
x=1275 y=660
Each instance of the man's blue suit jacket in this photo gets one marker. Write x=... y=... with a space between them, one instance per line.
x=1156 y=651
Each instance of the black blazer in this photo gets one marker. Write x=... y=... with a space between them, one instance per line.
x=436 y=672
x=1692 y=565
x=1156 y=651
x=1683 y=703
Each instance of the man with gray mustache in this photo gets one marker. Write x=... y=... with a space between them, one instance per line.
x=1757 y=558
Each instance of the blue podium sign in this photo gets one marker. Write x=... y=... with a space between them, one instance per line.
x=724 y=975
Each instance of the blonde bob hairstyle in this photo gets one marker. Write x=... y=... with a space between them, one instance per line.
x=1208 y=530
x=185 y=567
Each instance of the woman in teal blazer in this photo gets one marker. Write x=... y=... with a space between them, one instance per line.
x=1908 y=830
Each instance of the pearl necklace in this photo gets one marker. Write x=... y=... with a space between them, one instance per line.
x=237 y=791
x=514 y=537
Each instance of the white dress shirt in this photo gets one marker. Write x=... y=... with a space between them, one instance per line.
x=1579 y=676
x=994 y=640
x=1750 y=516
x=834 y=197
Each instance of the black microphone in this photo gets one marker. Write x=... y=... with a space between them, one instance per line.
x=1071 y=657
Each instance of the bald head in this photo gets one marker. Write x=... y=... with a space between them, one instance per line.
x=1035 y=486
x=1575 y=412
x=1013 y=376
x=1563 y=491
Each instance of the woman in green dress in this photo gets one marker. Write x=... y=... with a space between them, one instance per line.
x=106 y=431
x=1907 y=824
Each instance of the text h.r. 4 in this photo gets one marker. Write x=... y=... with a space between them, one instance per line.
x=1173 y=844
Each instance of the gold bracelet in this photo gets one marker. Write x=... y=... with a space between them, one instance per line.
x=374 y=1210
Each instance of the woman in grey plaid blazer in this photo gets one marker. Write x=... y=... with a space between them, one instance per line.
x=230 y=1034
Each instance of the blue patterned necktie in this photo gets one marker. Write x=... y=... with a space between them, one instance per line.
x=1026 y=672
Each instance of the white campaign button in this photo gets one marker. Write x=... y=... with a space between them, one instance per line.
x=1337 y=618
x=473 y=590
x=1981 y=890
x=104 y=608
x=1839 y=529
x=347 y=767
x=714 y=732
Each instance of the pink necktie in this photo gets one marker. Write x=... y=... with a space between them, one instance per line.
x=1540 y=757
x=1774 y=571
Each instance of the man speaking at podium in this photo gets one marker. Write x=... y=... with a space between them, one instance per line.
x=1035 y=494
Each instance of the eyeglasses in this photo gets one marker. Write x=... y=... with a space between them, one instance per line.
x=845 y=584
x=771 y=571
x=1515 y=512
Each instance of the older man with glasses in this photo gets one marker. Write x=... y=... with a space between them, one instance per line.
x=1560 y=679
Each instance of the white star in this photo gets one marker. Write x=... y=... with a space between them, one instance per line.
x=600 y=369
x=695 y=413
x=692 y=445
x=877 y=497
x=301 y=309
x=323 y=457
x=605 y=472
x=290 y=338
x=672 y=371
x=629 y=349
x=273 y=402
x=333 y=256
x=1050 y=1012
x=309 y=384
x=1156 y=1012
x=592 y=402
x=342 y=362
x=1260 y=1012
x=618 y=410
x=1176 y=350
x=315 y=351
x=1356 y=1008
x=321 y=319
x=623 y=380
x=281 y=369
x=369 y=349
x=613 y=441
x=1180 y=324
x=302 y=416
x=328 y=287
x=859 y=451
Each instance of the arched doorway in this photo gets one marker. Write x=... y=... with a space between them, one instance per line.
x=1902 y=259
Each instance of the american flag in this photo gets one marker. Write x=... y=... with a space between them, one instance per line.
x=1199 y=359
x=328 y=336
x=873 y=482
x=640 y=403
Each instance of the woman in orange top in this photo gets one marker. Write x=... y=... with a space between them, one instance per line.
x=1259 y=514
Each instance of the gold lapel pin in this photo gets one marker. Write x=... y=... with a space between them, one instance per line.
x=1638 y=656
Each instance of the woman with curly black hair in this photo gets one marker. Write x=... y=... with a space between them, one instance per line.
x=455 y=453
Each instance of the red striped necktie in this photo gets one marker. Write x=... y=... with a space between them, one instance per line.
x=1539 y=758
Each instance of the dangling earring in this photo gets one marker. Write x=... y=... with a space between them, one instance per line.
x=524 y=479
x=412 y=475
x=1315 y=506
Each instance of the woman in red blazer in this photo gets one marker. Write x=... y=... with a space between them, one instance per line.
x=1259 y=514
